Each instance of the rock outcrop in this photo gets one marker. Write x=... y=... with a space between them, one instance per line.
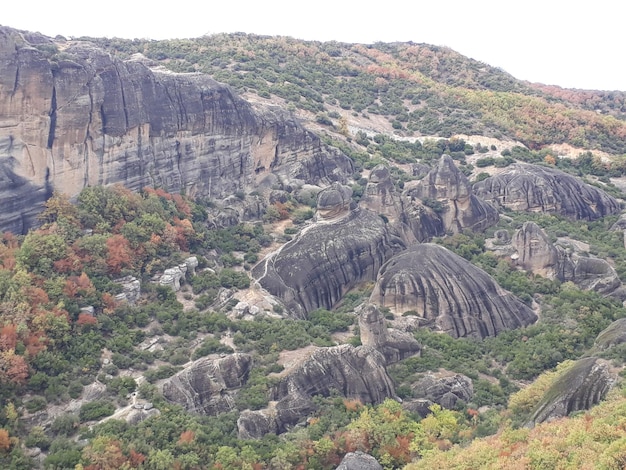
x=81 y=117
x=444 y=388
x=534 y=188
x=452 y=294
x=131 y=289
x=359 y=461
x=612 y=335
x=209 y=385
x=563 y=260
x=446 y=186
x=579 y=388
x=395 y=345
x=355 y=373
x=345 y=247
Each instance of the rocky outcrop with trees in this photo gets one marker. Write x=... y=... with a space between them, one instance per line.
x=345 y=247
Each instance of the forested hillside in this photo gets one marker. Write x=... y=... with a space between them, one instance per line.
x=421 y=273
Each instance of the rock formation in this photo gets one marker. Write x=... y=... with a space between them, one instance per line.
x=452 y=294
x=209 y=385
x=444 y=388
x=535 y=251
x=315 y=269
x=579 y=388
x=81 y=117
x=131 y=289
x=563 y=260
x=359 y=461
x=612 y=335
x=395 y=345
x=534 y=188
x=460 y=208
x=356 y=373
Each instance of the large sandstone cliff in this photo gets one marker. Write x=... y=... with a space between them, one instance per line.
x=79 y=117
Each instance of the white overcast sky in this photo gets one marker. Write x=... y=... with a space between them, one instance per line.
x=573 y=44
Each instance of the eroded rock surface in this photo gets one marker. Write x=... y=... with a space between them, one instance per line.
x=355 y=373
x=359 y=461
x=328 y=258
x=455 y=296
x=563 y=260
x=84 y=118
x=533 y=188
x=394 y=344
x=209 y=385
x=579 y=388
x=612 y=335
x=444 y=388
x=460 y=208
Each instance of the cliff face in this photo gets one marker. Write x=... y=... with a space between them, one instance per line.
x=346 y=246
x=80 y=117
x=534 y=188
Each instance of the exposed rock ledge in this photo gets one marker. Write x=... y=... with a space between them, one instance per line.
x=84 y=118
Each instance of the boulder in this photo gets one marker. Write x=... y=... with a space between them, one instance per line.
x=564 y=260
x=449 y=292
x=325 y=260
x=444 y=388
x=579 y=388
x=359 y=461
x=171 y=278
x=355 y=373
x=612 y=335
x=534 y=188
x=131 y=289
x=209 y=386
x=393 y=344
x=192 y=264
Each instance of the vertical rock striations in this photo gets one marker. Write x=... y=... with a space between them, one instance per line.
x=534 y=188
x=79 y=117
x=345 y=247
x=449 y=292
x=450 y=189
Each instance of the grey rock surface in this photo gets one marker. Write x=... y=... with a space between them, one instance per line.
x=86 y=118
x=359 y=461
x=579 y=388
x=563 y=260
x=209 y=385
x=461 y=209
x=355 y=373
x=533 y=188
x=444 y=388
x=455 y=296
x=612 y=335
x=328 y=258
x=395 y=345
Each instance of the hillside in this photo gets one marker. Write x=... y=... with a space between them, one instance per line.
x=254 y=252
